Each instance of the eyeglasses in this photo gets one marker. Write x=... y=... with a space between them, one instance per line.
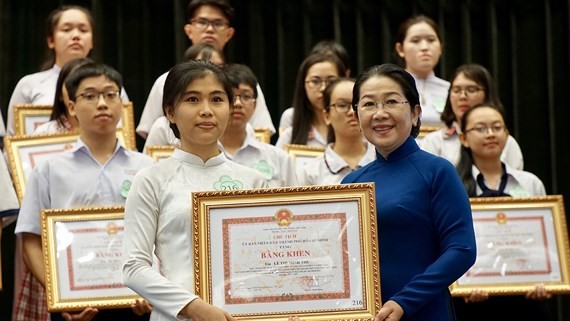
x=373 y=106
x=109 y=96
x=245 y=98
x=316 y=82
x=469 y=90
x=342 y=107
x=482 y=130
x=202 y=24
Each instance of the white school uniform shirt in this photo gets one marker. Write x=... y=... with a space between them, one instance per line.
x=286 y=120
x=161 y=134
x=8 y=200
x=315 y=138
x=273 y=163
x=330 y=168
x=519 y=183
x=158 y=220
x=433 y=95
x=445 y=143
x=153 y=109
x=75 y=179
x=37 y=89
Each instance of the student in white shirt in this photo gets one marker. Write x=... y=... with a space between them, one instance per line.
x=471 y=85
x=60 y=120
x=346 y=150
x=197 y=101
x=208 y=21
x=418 y=44
x=160 y=132
x=241 y=145
x=308 y=125
x=69 y=36
x=98 y=171
x=483 y=137
x=328 y=47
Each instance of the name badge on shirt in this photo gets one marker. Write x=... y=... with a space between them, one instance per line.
x=125 y=187
x=226 y=183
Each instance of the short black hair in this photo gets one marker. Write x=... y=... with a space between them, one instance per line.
x=241 y=74
x=90 y=70
x=223 y=5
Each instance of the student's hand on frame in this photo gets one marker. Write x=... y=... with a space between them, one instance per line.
x=199 y=310
x=85 y=315
x=141 y=307
x=538 y=293
x=390 y=311
x=476 y=296
x=293 y=318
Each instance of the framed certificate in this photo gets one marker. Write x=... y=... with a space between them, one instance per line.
x=303 y=153
x=159 y=152
x=28 y=117
x=520 y=242
x=26 y=152
x=263 y=135
x=83 y=257
x=305 y=251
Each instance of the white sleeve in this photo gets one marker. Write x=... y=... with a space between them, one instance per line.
x=36 y=198
x=432 y=143
x=512 y=154
x=20 y=95
x=9 y=199
x=303 y=176
x=287 y=169
x=286 y=120
x=153 y=107
x=141 y=222
x=284 y=138
x=160 y=133
x=261 y=117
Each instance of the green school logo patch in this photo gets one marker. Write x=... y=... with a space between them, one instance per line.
x=226 y=183
x=125 y=188
x=265 y=169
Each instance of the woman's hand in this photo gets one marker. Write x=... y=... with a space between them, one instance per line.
x=477 y=296
x=390 y=311
x=199 y=310
x=538 y=293
x=141 y=307
x=85 y=315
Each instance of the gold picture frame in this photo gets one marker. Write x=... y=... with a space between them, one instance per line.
x=256 y=251
x=520 y=242
x=82 y=252
x=300 y=154
x=27 y=151
x=424 y=130
x=159 y=152
x=28 y=117
x=263 y=135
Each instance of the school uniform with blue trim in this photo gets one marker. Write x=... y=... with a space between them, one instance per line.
x=425 y=229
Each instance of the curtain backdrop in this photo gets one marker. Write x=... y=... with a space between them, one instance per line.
x=524 y=43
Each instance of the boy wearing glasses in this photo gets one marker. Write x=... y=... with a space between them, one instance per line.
x=208 y=21
x=239 y=142
x=97 y=171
